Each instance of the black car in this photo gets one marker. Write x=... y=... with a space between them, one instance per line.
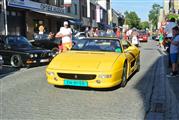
x=46 y=42
x=18 y=52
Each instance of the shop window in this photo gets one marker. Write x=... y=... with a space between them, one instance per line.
x=69 y=9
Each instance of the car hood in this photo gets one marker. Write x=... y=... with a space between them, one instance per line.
x=32 y=50
x=84 y=61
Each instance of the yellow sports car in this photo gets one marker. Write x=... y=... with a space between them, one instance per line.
x=95 y=63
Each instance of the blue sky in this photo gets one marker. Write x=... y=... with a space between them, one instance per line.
x=141 y=7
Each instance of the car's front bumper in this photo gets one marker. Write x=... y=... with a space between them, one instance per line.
x=1 y=63
x=94 y=83
x=37 y=61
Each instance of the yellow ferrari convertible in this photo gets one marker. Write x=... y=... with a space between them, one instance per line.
x=95 y=63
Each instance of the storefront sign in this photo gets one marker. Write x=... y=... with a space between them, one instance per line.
x=27 y=4
x=50 y=8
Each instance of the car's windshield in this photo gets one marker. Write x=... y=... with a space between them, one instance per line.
x=97 y=45
x=18 y=41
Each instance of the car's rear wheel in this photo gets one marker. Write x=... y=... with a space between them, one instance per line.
x=16 y=61
x=124 y=75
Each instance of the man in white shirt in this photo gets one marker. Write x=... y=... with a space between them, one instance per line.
x=168 y=30
x=66 y=34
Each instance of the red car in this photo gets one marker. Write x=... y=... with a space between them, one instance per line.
x=143 y=36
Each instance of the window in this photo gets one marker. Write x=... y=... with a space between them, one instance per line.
x=84 y=11
x=52 y=2
x=75 y=5
x=69 y=9
x=125 y=44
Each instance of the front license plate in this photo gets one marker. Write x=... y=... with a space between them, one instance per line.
x=44 y=60
x=76 y=83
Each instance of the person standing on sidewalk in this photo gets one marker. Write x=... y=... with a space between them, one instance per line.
x=174 y=50
x=169 y=35
x=66 y=34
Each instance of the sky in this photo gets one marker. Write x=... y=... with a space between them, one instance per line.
x=141 y=7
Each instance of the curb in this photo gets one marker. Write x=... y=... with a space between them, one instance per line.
x=163 y=103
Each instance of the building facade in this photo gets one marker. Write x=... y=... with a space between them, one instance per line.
x=166 y=7
x=176 y=6
x=25 y=16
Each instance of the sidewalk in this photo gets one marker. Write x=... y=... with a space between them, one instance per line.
x=163 y=103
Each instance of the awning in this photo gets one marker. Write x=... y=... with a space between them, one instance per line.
x=52 y=14
x=75 y=21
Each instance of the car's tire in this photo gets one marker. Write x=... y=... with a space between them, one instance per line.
x=124 y=75
x=138 y=64
x=16 y=61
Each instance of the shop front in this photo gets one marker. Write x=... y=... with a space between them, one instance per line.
x=35 y=14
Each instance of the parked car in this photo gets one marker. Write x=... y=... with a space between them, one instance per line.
x=96 y=63
x=1 y=62
x=80 y=35
x=18 y=51
x=143 y=36
x=46 y=42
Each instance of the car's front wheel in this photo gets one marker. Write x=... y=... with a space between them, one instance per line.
x=138 y=64
x=124 y=75
x=16 y=61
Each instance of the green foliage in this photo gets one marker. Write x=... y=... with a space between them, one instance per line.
x=144 y=25
x=132 y=19
x=154 y=14
x=169 y=16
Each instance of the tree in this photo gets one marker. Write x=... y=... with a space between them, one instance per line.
x=154 y=14
x=144 y=25
x=132 y=19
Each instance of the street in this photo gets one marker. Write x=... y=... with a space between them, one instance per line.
x=25 y=94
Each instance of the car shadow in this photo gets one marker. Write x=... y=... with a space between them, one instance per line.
x=7 y=70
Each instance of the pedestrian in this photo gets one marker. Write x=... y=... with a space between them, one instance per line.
x=41 y=29
x=169 y=35
x=174 y=50
x=135 y=41
x=87 y=32
x=118 y=33
x=66 y=34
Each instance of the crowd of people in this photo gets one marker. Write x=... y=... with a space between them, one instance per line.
x=169 y=41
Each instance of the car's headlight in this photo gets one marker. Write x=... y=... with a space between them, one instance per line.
x=49 y=54
x=1 y=58
x=31 y=55
x=35 y=55
x=51 y=73
x=105 y=76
